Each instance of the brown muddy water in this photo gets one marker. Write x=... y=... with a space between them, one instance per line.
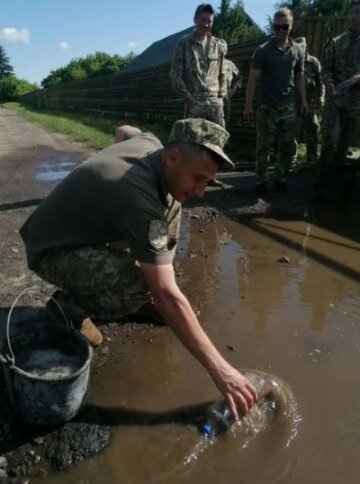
x=297 y=319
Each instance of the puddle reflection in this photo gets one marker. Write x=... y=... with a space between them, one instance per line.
x=56 y=171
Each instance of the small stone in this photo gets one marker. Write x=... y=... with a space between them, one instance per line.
x=3 y=475
x=194 y=216
x=39 y=440
x=3 y=462
x=230 y=348
x=284 y=260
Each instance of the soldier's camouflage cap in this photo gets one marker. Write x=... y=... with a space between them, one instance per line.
x=204 y=7
x=205 y=133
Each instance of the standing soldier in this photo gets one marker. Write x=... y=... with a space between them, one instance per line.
x=279 y=63
x=341 y=75
x=197 y=73
x=315 y=96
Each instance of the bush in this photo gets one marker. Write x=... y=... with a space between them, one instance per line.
x=11 y=88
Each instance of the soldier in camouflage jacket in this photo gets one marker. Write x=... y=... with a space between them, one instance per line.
x=315 y=97
x=341 y=75
x=197 y=73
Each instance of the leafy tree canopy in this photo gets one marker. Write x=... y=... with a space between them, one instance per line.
x=11 y=88
x=93 y=65
x=303 y=8
x=233 y=25
x=6 y=69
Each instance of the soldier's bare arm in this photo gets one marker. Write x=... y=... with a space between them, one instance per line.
x=250 y=92
x=177 y=311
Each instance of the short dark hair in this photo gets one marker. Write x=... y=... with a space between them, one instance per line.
x=284 y=12
x=204 y=7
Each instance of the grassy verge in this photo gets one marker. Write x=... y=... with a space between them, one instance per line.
x=96 y=130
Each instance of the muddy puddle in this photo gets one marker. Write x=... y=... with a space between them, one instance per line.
x=279 y=296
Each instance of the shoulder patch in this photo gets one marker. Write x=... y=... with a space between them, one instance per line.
x=158 y=234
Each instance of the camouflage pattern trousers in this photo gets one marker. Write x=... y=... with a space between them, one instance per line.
x=311 y=126
x=275 y=123
x=211 y=109
x=98 y=282
x=340 y=130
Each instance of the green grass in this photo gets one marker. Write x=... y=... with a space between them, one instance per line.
x=97 y=130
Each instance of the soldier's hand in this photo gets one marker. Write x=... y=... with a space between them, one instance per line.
x=249 y=114
x=235 y=387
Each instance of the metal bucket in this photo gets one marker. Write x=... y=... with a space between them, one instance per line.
x=46 y=368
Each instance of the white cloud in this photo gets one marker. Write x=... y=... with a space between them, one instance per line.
x=13 y=36
x=64 y=45
x=132 y=44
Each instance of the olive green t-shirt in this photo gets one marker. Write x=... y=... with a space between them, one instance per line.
x=116 y=195
x=277 y=71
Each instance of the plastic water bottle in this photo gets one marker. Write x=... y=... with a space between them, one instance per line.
x=218 y=419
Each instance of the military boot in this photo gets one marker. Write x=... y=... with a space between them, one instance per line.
x=86 y=327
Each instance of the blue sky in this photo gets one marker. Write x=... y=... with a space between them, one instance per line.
x=41 y=35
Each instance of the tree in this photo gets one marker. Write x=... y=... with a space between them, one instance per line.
x=303 y=8
x=6 y=69
x=11 y=88
x=233 y=25
x=93 y=65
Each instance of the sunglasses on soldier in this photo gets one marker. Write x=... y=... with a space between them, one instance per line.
x=277 y=28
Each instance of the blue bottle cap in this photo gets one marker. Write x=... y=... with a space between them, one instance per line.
x=207 y=429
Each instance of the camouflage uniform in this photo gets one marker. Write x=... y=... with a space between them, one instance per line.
x=315 y=93
x=99 y=282
x=233 y=82
x=275 y=123
x=197 y=74
x=341 y=118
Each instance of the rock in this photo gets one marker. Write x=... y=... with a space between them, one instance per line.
x=77 y=440
x=39 y=440
x=3 y=462
x=284 y=260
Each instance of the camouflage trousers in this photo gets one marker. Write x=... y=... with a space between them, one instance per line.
x=311 y=126
x=275 y=123
x=211 y=109
x=98 y=282
x=340 y=130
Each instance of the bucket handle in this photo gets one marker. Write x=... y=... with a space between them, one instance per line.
x=11 y=359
